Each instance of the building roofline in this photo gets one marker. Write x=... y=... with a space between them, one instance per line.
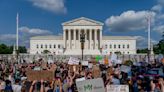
x=83 y=18
x=47 y=37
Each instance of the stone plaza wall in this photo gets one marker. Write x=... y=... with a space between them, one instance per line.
x=46 y=57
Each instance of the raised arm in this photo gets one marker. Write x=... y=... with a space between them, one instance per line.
x=32 y=86
x=42 y=86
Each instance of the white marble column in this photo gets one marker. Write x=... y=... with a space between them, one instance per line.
x=100 y=38
x=90 y=39
x=69 y=38
x=74 y=32
x=95 y=39
x=79 y=44
x=85 y=45
x=64 y=38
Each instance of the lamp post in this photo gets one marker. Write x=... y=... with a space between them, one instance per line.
x=82 y=40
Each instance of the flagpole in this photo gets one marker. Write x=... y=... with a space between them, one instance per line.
x=17 y=33
x=17 y=38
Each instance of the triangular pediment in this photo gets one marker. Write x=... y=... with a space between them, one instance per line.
x=82 y=22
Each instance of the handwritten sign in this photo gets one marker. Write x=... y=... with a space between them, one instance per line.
x=73 y=61
x=38 y=75
x=92 y=85
x=117 y=88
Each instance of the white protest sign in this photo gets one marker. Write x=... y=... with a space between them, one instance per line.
x=73 y=60
x=113 y=57
x=80 y=79
x=37 y=68
x=117 y=88
x=118 y=61
x=92 y=85
x=84 y=63
x=50 y=61
x=125 y=69
x=90 y=65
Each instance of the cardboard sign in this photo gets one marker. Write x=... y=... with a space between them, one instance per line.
x=73 y=61
x=96 y=71
x=38 y=75
x=92 y=85
x=117 y=88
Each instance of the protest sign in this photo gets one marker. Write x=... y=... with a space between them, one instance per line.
x=90 y=65
x=36 y=68
x=117 y=88
x=113 y=57
x=106 y=61
x=92 y=85
x=84 y=63
x=50 y=61
x=96 y=71
x=98 y=58
x=73 y=61
x=125 y=69
x=80 y=79
x=38 y=75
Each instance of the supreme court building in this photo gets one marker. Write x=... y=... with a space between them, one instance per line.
x=95 y=42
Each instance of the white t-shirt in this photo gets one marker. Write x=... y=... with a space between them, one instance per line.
x=16 y=88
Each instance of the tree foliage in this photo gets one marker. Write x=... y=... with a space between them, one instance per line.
x=157 y=48
x=4 y=49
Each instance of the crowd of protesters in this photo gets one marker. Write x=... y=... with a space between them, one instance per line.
x=13 y=77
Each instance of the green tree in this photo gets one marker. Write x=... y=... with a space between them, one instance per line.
x=22 y=49
x=4 y=49
x=142 y=50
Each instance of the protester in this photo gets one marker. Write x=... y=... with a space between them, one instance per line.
x=14 y=76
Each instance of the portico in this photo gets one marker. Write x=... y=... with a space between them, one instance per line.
x=72 y=30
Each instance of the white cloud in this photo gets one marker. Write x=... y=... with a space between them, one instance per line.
x=60 y=34
x=129 y=21
x=34 y=31
x=56 y=6
x=161 y=2
x=24 y=35
x=157 y=8
x=142 y=42
x=4 y=37
x=159 y=29
x=8 y=39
